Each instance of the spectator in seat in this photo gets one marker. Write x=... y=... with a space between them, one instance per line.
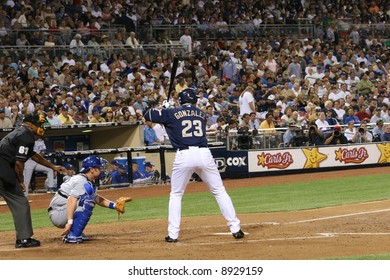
x=96 y=117
x=315 y=135
x=64 y=116
x=376 y=116
x=289 y=134
x=362 y=114
x=337 y=137
x=331 y=121
x=81 y=115
x=51 y=117
x=350 y=116
x=362 y=135
x=16 y=116
x=5 y=122
x=219 y=125
x=150 y=136
x=378 y=130
x=268 y=126
x=385 y=137
x=350 y=131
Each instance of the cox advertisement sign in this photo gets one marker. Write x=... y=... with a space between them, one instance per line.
x=230 y=164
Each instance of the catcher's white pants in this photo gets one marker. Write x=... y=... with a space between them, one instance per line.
x=29 y=167
x=200 y=161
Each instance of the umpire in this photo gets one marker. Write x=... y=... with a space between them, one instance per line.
x=15 y=149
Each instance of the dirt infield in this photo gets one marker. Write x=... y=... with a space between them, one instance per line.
x=348 y=230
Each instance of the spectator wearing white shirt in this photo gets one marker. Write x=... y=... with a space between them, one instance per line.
x=132 y=41
x=321 y=122
x=160 y=131
x=310 y=76
x=186 y=40
x=246 y=101
x=319 y=74
x=51 y=117
x=76 y=46
x=339 y=111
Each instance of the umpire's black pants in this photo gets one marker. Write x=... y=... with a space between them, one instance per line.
x=20 y=209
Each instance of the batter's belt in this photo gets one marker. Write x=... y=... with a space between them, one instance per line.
x=186 y=148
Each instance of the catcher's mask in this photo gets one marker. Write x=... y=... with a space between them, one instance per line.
x=38 y=120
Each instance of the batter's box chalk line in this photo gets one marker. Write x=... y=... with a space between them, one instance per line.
x=226 y=233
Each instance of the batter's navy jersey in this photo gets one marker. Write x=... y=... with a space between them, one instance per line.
x=185 y=125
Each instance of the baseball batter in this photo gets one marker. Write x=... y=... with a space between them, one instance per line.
x=186 y=127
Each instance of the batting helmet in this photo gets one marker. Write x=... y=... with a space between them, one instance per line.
x=188 y=95
x=90 y=162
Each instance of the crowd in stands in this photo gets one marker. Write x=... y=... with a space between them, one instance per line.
x=263 y=82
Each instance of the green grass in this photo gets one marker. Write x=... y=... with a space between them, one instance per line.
x=366 y=258
x=274 y=198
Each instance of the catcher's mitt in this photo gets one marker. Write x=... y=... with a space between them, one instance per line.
x=120 y=204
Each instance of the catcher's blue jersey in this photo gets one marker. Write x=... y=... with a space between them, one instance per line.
x=185 y=125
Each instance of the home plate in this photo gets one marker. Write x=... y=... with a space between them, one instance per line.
x=226 y=233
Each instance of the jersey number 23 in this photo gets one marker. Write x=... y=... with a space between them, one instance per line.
x=192 y=128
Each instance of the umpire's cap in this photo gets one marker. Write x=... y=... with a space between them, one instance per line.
x=35 y=118
x=90 y=162
x=188 y=95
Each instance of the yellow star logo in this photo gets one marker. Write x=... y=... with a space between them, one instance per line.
x=339 y=155
x=261 y=159
x=384 y=148
x=313 y=158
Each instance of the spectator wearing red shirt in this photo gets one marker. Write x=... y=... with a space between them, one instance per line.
x=362 y=114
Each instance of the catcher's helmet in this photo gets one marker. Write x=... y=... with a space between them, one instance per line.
x=90 y=162
x=188 y=95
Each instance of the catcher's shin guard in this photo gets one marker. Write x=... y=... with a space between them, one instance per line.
x=81 y=219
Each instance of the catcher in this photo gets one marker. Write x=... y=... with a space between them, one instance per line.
x=72 y=206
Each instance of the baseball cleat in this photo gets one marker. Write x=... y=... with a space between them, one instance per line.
x=72 y=239
x=85 y=237
x=169 y=239
x=238 y=234
x=27 y=243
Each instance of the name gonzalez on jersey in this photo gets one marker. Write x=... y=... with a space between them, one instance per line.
x=190 y=113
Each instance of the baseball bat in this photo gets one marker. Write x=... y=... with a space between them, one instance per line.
x=173 y=74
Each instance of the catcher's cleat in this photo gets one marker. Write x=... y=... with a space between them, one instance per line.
x=169 y=239
x=27 y=243
x=85 y=237
x=72 y=239
x=238 y=234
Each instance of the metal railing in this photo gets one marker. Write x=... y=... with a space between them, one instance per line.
x=228 y=32
x=102 y=52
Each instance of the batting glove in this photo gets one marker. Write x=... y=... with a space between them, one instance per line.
x=166 y=104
